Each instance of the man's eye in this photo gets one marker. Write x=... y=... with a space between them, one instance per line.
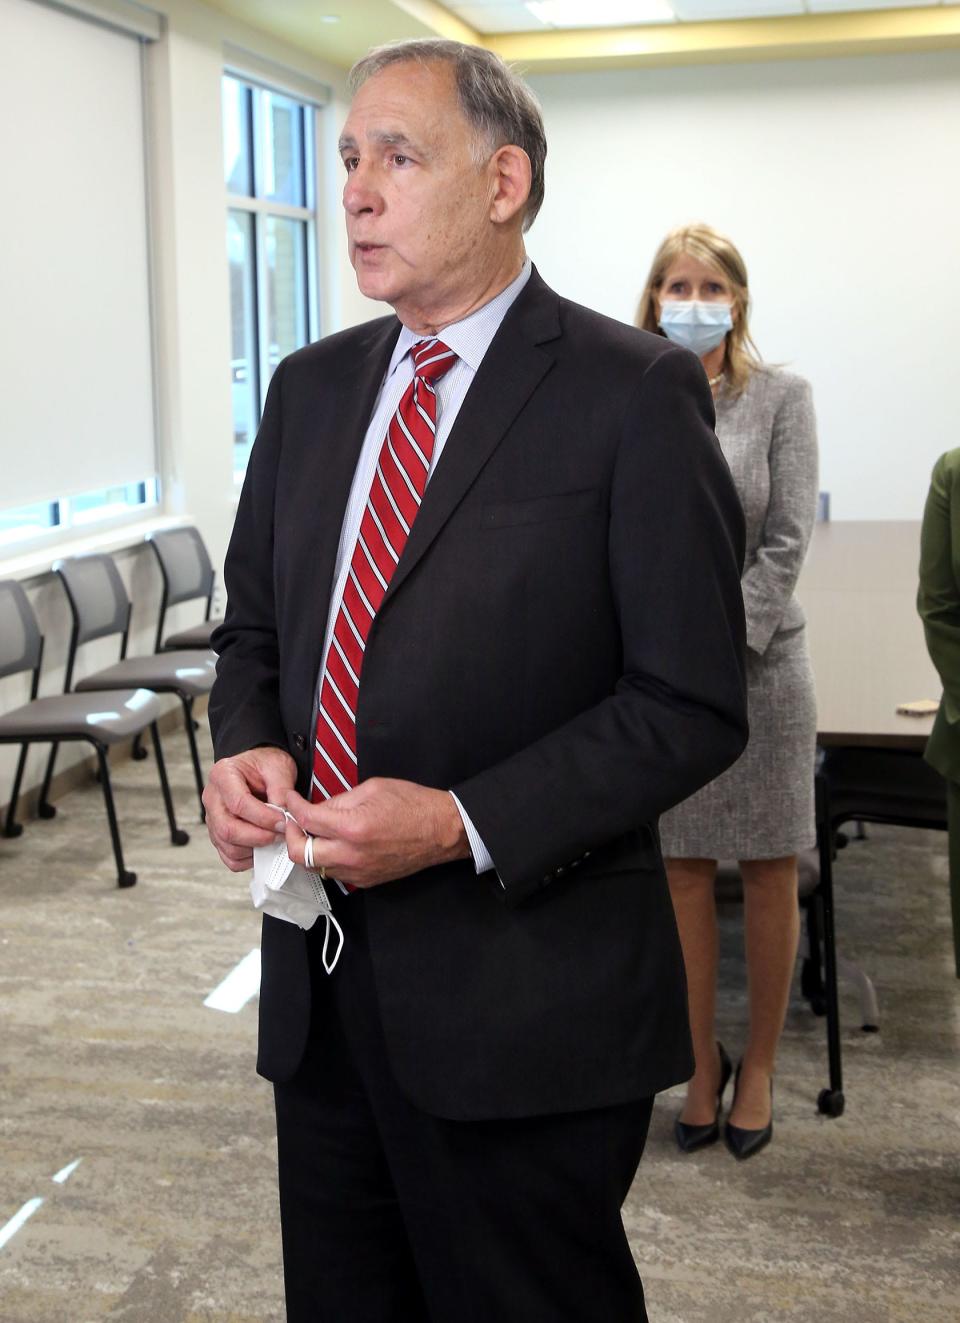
x=350 y=163
x=399 y=159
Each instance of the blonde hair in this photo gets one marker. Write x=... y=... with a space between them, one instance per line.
x=706 y=245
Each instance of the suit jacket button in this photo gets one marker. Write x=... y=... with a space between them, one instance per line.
x=299 y=743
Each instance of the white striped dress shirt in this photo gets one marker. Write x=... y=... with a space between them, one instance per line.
x=469 y=339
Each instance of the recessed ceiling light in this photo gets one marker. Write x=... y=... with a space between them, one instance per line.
x=601 y=13
x=329 y=18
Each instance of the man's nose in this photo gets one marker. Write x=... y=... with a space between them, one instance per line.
x=360 y=195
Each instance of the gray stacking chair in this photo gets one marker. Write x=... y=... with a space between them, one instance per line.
x=102 y=719
x=100 y=607
x=187 y=574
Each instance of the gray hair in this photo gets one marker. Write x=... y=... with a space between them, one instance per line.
x=494 y=99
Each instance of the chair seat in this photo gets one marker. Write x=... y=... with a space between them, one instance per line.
x=119 y=715
x=174 y=672
x=885 y=784
x=198 y=636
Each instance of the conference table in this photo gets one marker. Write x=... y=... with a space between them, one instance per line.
x=858 y=589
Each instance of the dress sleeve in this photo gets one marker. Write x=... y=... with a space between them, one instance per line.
x=769 y=583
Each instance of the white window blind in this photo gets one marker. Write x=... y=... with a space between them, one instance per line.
x=76 y=381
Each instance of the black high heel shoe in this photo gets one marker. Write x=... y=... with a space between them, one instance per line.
x=691 y=1137
x=746 y=1143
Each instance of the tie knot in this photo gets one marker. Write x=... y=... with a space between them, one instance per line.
x=431 y=359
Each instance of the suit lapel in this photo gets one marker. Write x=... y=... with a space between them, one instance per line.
x=511 y=370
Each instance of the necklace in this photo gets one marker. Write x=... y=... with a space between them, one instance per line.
x=715 y=381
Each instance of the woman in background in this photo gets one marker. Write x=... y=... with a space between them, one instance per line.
x=761 y=811
x=938 y=602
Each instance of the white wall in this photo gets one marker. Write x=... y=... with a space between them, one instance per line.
x=838 y=180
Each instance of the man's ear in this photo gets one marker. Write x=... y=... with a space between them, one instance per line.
x=512 y=176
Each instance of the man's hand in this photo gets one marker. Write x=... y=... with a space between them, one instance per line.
x=384 y=829
x=237 y=815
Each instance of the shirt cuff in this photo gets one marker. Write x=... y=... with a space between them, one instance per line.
x=481 y=856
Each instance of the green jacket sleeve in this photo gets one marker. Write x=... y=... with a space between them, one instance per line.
x=938 y=598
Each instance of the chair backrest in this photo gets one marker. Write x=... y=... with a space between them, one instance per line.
x=21 y=644
x=186 y=570
x=184 y=564
x=96 y=594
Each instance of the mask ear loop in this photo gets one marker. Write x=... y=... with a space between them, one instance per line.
x=328 y=964
x=331 y=965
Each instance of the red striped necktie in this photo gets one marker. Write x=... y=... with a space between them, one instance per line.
x=395 y=495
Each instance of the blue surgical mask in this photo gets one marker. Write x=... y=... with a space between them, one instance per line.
x=694 y=324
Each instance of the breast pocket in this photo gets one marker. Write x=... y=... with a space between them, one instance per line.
x=540 y=509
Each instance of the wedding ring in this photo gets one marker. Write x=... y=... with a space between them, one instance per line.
x=308 y=860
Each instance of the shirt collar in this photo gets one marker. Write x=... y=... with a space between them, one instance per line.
x=470 y=338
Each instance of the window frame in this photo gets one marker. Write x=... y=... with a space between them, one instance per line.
x=261 y=208
x=66 y=520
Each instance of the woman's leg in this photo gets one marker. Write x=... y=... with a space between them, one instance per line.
x=691 y=889
x=772 y=921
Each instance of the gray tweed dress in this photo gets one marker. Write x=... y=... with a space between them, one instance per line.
x=762 y=807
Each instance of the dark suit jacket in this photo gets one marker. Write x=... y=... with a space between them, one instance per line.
x=561 y=645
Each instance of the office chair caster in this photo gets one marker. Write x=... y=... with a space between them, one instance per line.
x=831 y=1102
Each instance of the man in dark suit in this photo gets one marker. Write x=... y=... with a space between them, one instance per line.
x=485 y=617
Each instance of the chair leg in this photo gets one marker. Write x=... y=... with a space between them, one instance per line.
x=177 y=836
x=830 y=1101
x=190 y=726
x=44 y=808
x=11 y=827
x=811 y=973
x=124 y=877
x=869 y=1006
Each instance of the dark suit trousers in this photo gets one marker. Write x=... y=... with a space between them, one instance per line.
x=391 y=1215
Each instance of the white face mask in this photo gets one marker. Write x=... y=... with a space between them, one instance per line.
x=694 y=324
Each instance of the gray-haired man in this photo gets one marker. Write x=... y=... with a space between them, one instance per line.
x=485 y=615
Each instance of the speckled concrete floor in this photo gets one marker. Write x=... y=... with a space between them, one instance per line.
x=109 y=1056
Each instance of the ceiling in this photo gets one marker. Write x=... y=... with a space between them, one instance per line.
x=496 y=16
x=552 y=35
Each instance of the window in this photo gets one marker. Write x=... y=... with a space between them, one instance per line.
x=79 y=440
x=269 y=154
x=31 y=521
